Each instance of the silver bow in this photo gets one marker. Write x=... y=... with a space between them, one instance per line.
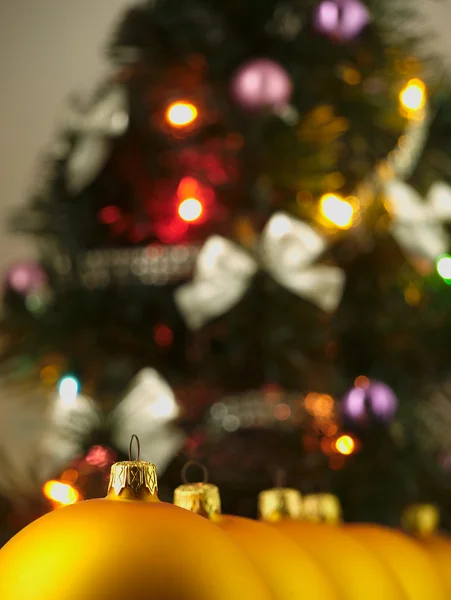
x=288 y=250
x=418 y=225
x=148 y=409
x=107 y=117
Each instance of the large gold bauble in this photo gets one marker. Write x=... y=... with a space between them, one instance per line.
x=355 y=573
x=288 y=571
x=128 y=546
x=406 y=559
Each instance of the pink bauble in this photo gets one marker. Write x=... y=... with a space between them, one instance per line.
x=261 y=83
x=376 y=400
x=342 y=20
x=26 y=277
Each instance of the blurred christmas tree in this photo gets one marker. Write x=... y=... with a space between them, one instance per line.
x=243 y=240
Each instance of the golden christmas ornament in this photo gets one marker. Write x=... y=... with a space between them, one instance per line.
x=288 y=572
x=423 y=522
x=406 y=559
x=126 y=546
x=355 y=573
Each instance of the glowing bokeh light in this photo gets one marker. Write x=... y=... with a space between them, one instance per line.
x=49 y=375
x=164 y=336
x=181 y=114
x=413 y=96
x=444 y=267
x=190 y=209
x=68 y=389
x=99 y=456
x=282 y=412
x=70 y=476
x=162 y=407
x=60 y=493
x=345 y=445
x=362 y=382
x=337 y=211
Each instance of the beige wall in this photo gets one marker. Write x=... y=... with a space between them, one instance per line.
x=47 y=49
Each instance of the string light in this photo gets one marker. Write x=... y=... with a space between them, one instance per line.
x=337 y=211
x=68 y=389
x=60 y=493
x=190 y=209
x=362 y=382
x=413 y=96
x=345 y=445
x=444 y=267
x=190 y=192
x=181 y=114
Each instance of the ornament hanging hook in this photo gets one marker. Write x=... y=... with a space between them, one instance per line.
x=138 y=448
x=194 y=463
x=279 y=478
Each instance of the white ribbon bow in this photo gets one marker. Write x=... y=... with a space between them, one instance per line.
x=287 y=252
x=148 y=410
x=418 y=225
x=104 y=119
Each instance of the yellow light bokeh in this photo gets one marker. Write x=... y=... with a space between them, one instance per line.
x=412 y=295
x=181 y=114
x=50 y=375
x=413 y=96
x=337 y=211
x=60 y=493
x=190 y=209
x=345 y=445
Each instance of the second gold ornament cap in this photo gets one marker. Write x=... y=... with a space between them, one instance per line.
x=280 y=503
x=322 y=508
x=200 y=498
x=421 y=519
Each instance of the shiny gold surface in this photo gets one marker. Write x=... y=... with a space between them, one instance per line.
x=200 y=498
x=133 y=480
x=280 y=503
x=421 y=519
x=322 y=508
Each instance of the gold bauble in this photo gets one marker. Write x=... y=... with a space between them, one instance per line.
x=287 y=570
x=423 y=521
x=128 y=546
x=355 y=573
x=406 y=559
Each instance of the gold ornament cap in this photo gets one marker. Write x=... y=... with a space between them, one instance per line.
x=133 y=479
x=322 y=508
x=421 y=519
x=280 y=503
x=200 y=498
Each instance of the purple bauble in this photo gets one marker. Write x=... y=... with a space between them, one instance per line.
x=26 y=277
x=342 y=20
x=261 y=83
x=375 y=399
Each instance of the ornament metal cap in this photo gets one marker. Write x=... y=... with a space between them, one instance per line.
x=421 y=519
x=133 y=479
x=322 y=508
x=200 y=498
x=280 y=503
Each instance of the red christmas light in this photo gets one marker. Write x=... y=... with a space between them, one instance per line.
x=163 y=335
x=109 y=215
